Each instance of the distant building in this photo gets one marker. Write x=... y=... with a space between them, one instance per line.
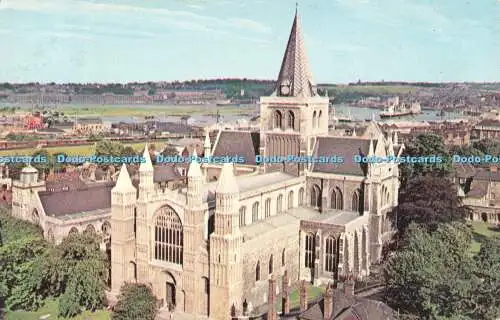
x=487 y=129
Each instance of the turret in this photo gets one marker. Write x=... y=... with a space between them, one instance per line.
x=146 y=171
x=371 y=149
x=195 y=182
x=123 y=200
x=207 y=147
x=29 y=175
x=227 y=199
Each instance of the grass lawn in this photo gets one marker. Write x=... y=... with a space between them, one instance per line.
x=72 y=150
x=143 y=110
x=481 y=231
x=312 y=293
x=51 y=309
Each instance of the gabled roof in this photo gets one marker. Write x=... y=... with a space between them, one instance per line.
x=295 y=67
x=238 y=143
x=345 y=147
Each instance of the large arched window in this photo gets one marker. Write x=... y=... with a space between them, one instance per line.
x=106 y=228
x=315 y=196
x=267 y=208
x=291 y=120
x=89 y=229
x=309 y=252
x=73 y=230
x=255 y=212
x=169 y=236
x=330 y=250
x=279 y=204
x=257 y=271
x=283 y=257
x=356 y=202
x=243 y=216
x=337 y=201
x=315 y=120
x=301 y=196
x=271 y=264
x=277 y=119
x=318 y=122
x=290 y=200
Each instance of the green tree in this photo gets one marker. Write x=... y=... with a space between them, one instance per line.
x=426 y=145
x=429 y=200
x=431 y=277
x=136 y=301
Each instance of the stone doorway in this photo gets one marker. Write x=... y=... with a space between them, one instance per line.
x=170 y=295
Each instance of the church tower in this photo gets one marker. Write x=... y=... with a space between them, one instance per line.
x=23 y=193
x=123 y=199
x=226 y=271
x=294 y=114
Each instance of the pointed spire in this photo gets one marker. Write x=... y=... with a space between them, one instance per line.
x=295 y=78
x=396 y=139
x=371 y=149
x=194 y=169
x=124 y=183
x=147 y=165
x=227 y=181
x=207 y=141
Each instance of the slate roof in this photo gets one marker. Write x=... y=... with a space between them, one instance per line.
x=238 y=143
x=92 y=197
x=167 y=171
x=64 y=180
x=478 y=189
x=346 y=147
x=351 y=307
x=486 y=175
x=464 y=170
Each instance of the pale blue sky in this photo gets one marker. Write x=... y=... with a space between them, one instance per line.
x=346 y=40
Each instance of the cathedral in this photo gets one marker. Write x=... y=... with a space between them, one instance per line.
x=208 y=247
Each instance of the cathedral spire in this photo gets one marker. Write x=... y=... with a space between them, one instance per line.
x=124 y=183
x=227 y=182
x=147 y=165
x=295 y=78
x=194 y=169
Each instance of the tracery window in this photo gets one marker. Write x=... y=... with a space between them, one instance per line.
x=242 y=216
x=279 y=204
x=330 y=250
x=290 y=200
x=337 y=201
x=277 y=119
x=309 y=252
x=291 y=120
x=267 y=208
x=255 y=212
x=169 y=237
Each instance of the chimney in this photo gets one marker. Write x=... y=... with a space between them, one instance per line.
x=271 y=299
x=285 y=294
x=303 y=295
x=349 y=286
x=328 y=303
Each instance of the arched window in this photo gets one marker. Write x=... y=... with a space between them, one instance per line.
x=337 y=201
x=267 y=208
x=279 y=204
x=291 y=120
x=301 y=196
x=315 y=120
x=169 y=236
x=356 y=202
x=277 y=119
x=255 y=212
x=35 y=216
x=257 y=271
x=319 y=119
x=90 y=229
x=330 y=254
x=73 y=230
x=315 y=196
x=242 y=216
x=310 y=248
x=106 y=228
x=290 y=200
x=271 y=264
x=283 y=257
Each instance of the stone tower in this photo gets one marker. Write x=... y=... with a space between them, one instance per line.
x=226 y=271
x=146 y=190
x=294 y=114
x=123 y=199
x=23 y=192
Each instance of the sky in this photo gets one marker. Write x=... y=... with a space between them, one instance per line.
x=167 y=40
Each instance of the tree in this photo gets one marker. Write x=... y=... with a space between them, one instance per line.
x=429 y=200
x=486 y=295
x=108 y=148
x=426 y=145
x=418 y=277
x=136 y=301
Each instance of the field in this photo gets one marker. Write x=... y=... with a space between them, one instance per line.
x=149 y=110
x=312 y=293
x=71 y=150
x=51 y=309
x=481 y=231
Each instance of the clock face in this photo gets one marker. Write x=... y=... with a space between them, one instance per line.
x=285 y=89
